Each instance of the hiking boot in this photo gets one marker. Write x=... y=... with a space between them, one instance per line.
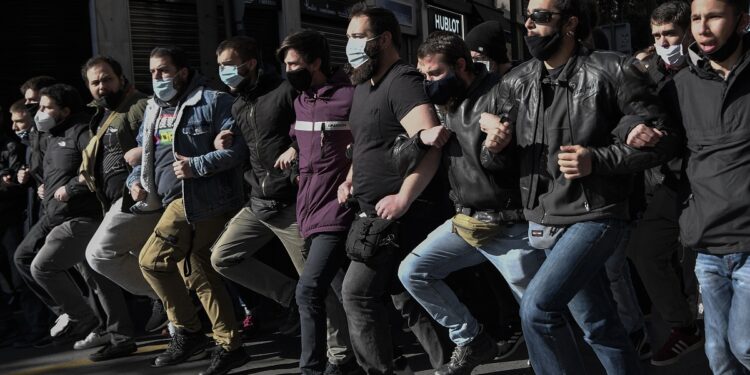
x=680 y=342
x=94 y=339
x=641 y=343
x=183 y=346
x=158 y=318
x=466 y=357
x=112 y=351
x=223 y=361
x=349 y=367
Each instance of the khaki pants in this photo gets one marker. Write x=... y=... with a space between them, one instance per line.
x=162 y=264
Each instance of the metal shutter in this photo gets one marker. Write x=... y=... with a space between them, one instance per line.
x=336 y=40
x=157 y=24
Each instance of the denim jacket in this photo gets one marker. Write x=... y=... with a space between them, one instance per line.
x=201 y=114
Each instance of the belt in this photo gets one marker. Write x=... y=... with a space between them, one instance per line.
x=492 y=216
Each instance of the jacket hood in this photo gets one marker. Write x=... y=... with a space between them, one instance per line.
x=701 y=65
x=266 y=82
x=79 y=117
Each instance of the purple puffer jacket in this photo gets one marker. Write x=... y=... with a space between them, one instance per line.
x=322 y=134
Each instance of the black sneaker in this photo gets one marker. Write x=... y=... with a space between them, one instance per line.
x=465 y=357
x=37 y=340
x=158 y=319
x=291 y=326
x=75 y=330
x=223 y=361
x=640 y=342
x=510 y=345
x=112 y=351
x=184 y=345
x=349 y=367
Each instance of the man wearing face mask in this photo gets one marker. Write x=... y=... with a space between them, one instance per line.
x=389 y=99
x=571 y=110
x=321 y=135
x=487 y=44
x=264 y=112
x=489 y=222
x=715 y=109
x=30 y=177
x=113 y=250
x=655 y=240
x=200 y=188
x=71 y=215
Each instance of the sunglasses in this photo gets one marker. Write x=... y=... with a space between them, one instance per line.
x=541 y=16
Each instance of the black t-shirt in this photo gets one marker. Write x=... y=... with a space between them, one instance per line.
x=376 y=122
x=167 y=184
x=110 y=166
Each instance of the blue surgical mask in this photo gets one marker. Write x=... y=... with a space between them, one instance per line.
x=230 y=75
x=164 y=89
x=355 y=51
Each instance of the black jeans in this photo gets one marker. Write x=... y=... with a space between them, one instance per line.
x=365 y=286
x=24 y=255
x=324 y=266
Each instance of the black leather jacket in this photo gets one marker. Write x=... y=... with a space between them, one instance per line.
x=479 y=179
x=599 y=97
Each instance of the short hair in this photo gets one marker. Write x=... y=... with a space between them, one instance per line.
x=65 y=96
x=381 y=20
x=310 y=45
x=450 y=45
x=176 y=55
x=97 y=60
x=674 y=12
x=37 y=83
x=579 y=9
x=741 y=6
x=18 y=106
x=245 y=46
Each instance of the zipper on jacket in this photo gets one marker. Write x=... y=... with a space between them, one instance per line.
x=263 y=183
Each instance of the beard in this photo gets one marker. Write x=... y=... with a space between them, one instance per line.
x=365 y=71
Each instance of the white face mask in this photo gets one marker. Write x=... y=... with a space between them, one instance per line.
x=671 y=55
x=230 y=75
x=355 y=51
x=44 y=122
x=164 y=89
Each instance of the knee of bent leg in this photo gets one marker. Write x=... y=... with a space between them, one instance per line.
x=739 y=343
x=38 y=268
x=221 y=261
x=409 y=273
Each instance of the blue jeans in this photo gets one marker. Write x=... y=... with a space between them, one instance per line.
x=573 y=277
x=725 y=287
x=443 y=252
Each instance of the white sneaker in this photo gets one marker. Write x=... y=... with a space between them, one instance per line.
x=61 y=322
x=93 y=340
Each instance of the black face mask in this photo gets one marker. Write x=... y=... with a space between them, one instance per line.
x=543 y=47
x=300 y=79
x=111 y=101
x=722 y=53
x=32 y=108
x=442 y=90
